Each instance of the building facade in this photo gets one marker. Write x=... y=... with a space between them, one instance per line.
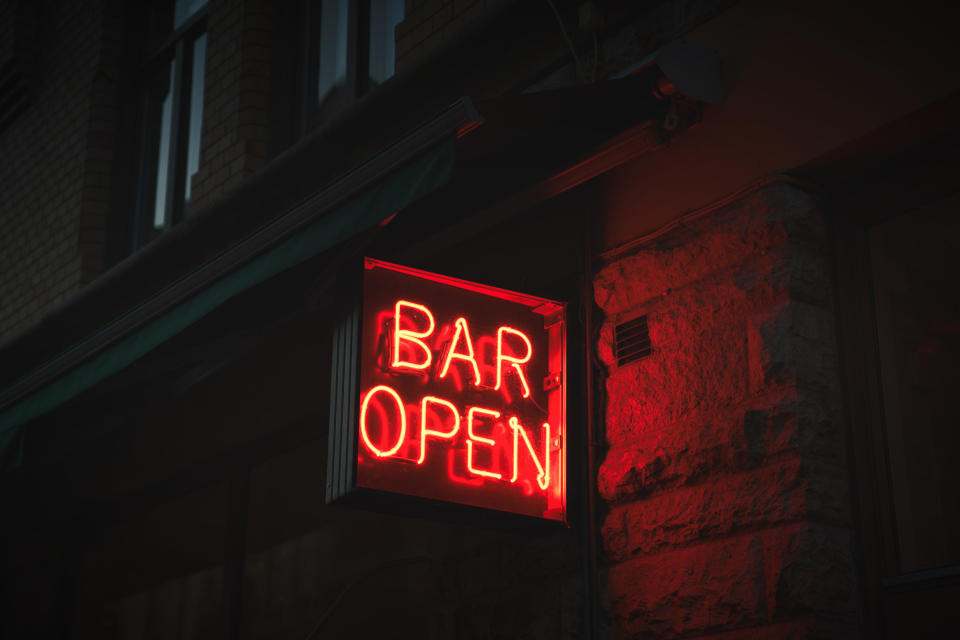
x=747 y=208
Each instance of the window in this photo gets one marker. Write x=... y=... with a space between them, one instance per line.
x=326 y=54
x=896 y=237
x=172 y=108
x=351 y=50
x=918 y=335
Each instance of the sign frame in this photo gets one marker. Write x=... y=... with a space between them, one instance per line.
x=344 y=445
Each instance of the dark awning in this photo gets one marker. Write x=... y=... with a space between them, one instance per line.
x=363 y=198
x=530 y=148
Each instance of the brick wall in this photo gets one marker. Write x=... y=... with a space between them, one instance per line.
x=236 y=97
x=101 y=145
x=725 y=480
x=428 y=24
x=60 y=152
x=51 y=222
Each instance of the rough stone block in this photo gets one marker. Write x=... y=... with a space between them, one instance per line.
x=770 y=347
x=792 y=343
x=713 y=586
x=745 y=436
x=698 y=364
x=754 y=229
x=793 y=630
x=788 y=490
x=811 y=571
x=783 y=574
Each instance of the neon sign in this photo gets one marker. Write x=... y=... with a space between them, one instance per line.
x=459 y=391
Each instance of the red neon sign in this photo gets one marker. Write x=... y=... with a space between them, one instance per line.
x=461 y=393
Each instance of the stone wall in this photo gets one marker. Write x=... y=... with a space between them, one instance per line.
x=724 y=482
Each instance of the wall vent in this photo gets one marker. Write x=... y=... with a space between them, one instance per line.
x=632 y=339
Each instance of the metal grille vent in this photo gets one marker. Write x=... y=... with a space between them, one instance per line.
x=632 y=339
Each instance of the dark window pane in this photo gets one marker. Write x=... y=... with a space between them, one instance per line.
x=918 y=329
x=196 y=112
x=333 y=50
x=168 y=16
x=184 y=9
x=385 y=15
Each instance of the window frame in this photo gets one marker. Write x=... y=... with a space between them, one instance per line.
x=175 y=49
x=901 y=184
x=294 y=83
x=313 y=115
x=357 y=82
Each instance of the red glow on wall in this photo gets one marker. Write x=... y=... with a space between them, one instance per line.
x=462 y=393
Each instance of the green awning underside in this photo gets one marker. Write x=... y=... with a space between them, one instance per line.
x=359 y=213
